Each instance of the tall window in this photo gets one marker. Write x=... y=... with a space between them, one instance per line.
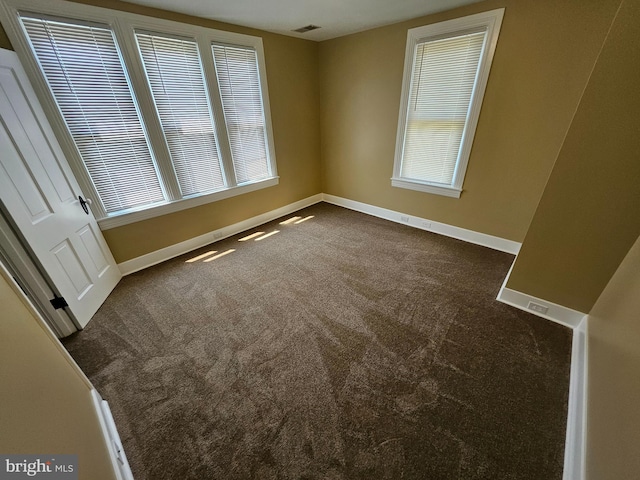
x=446 y=70
x=158 y=116
x=237 y=71
x=177 y=83
x=87 y=78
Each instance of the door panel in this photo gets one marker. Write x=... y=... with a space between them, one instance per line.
x=32 y=198
x=31 y=279
x=41 y=195
x=93 y=250
x=70 y=264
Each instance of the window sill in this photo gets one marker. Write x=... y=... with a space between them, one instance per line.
x=118 y=220
x=445 y=190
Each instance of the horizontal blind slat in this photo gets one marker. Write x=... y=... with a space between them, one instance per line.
x=86 y=76
x=241 y=95
x=174 y=73
x=444 y=75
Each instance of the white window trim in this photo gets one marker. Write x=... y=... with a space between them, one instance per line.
x=118 y=220
x=492 y=20
x=124 y=25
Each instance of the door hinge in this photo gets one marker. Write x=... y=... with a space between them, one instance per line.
x=59 y=302
x=19 y=283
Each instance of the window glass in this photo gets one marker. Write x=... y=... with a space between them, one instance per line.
x=85 y=73
x=447 y=66
x=237 y=71
x=154 y=116
x=174 y=73
x=444 y=73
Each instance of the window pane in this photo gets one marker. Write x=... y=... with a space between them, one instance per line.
x=87 y=78
x=239 y=81
x=444 y=75
x=175 y=75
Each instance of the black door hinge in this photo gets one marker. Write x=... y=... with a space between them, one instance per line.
x=59 y=302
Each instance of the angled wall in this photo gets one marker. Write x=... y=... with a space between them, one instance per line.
x=614 y=376
x=589 y=214
x=544 y=55
x=46 y=407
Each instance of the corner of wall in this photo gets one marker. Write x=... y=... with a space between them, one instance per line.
x=537 y=306
x=576 y=439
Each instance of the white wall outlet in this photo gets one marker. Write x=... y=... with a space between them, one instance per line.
x=426 y=224
x=404 y=218
x=536 y=307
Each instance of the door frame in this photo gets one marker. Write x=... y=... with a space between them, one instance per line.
x=80 y=267
x=30 y=276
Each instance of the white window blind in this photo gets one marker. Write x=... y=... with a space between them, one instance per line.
x=446 y=69
x=444 y=75
x=84 y=70
x=239 y=83
x=155 y=116
x=177 y=83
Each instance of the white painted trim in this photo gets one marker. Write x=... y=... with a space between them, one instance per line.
x=419 y=186
x=153 y=258
x=44 y=325
x=574 y=461
x=182 y=204
x=119 y=461
x=119 y=466
x=576 y=435
x=470 y=236
x=556 y=313
x=576 y=440
x=123 y=24
x=24 y=270
x=491 y=21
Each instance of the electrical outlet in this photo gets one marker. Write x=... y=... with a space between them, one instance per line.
x=404 y=218
x=426 y=224
x=536 y=307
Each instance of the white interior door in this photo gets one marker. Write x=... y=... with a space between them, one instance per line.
x=43 y=198
x=32 y=281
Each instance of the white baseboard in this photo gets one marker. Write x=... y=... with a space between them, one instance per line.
x=470 y=236
x=118 y=458
x=576 y=435
x=576 y=440
x=574 y=461
x=159 y=256
x=556 y=313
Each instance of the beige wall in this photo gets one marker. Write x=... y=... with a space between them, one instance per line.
x=614 y=376
x=46 y=406
x=292 y=76
x=555 y=162
x=544 y=55
x=589 y=215
x=335 y=108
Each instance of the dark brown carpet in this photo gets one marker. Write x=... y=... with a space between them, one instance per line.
x=343 y=347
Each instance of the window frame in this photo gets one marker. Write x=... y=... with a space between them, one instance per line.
x=124 y=26
x=492 y=21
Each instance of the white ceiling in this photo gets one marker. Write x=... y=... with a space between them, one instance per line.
x=336 y=17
